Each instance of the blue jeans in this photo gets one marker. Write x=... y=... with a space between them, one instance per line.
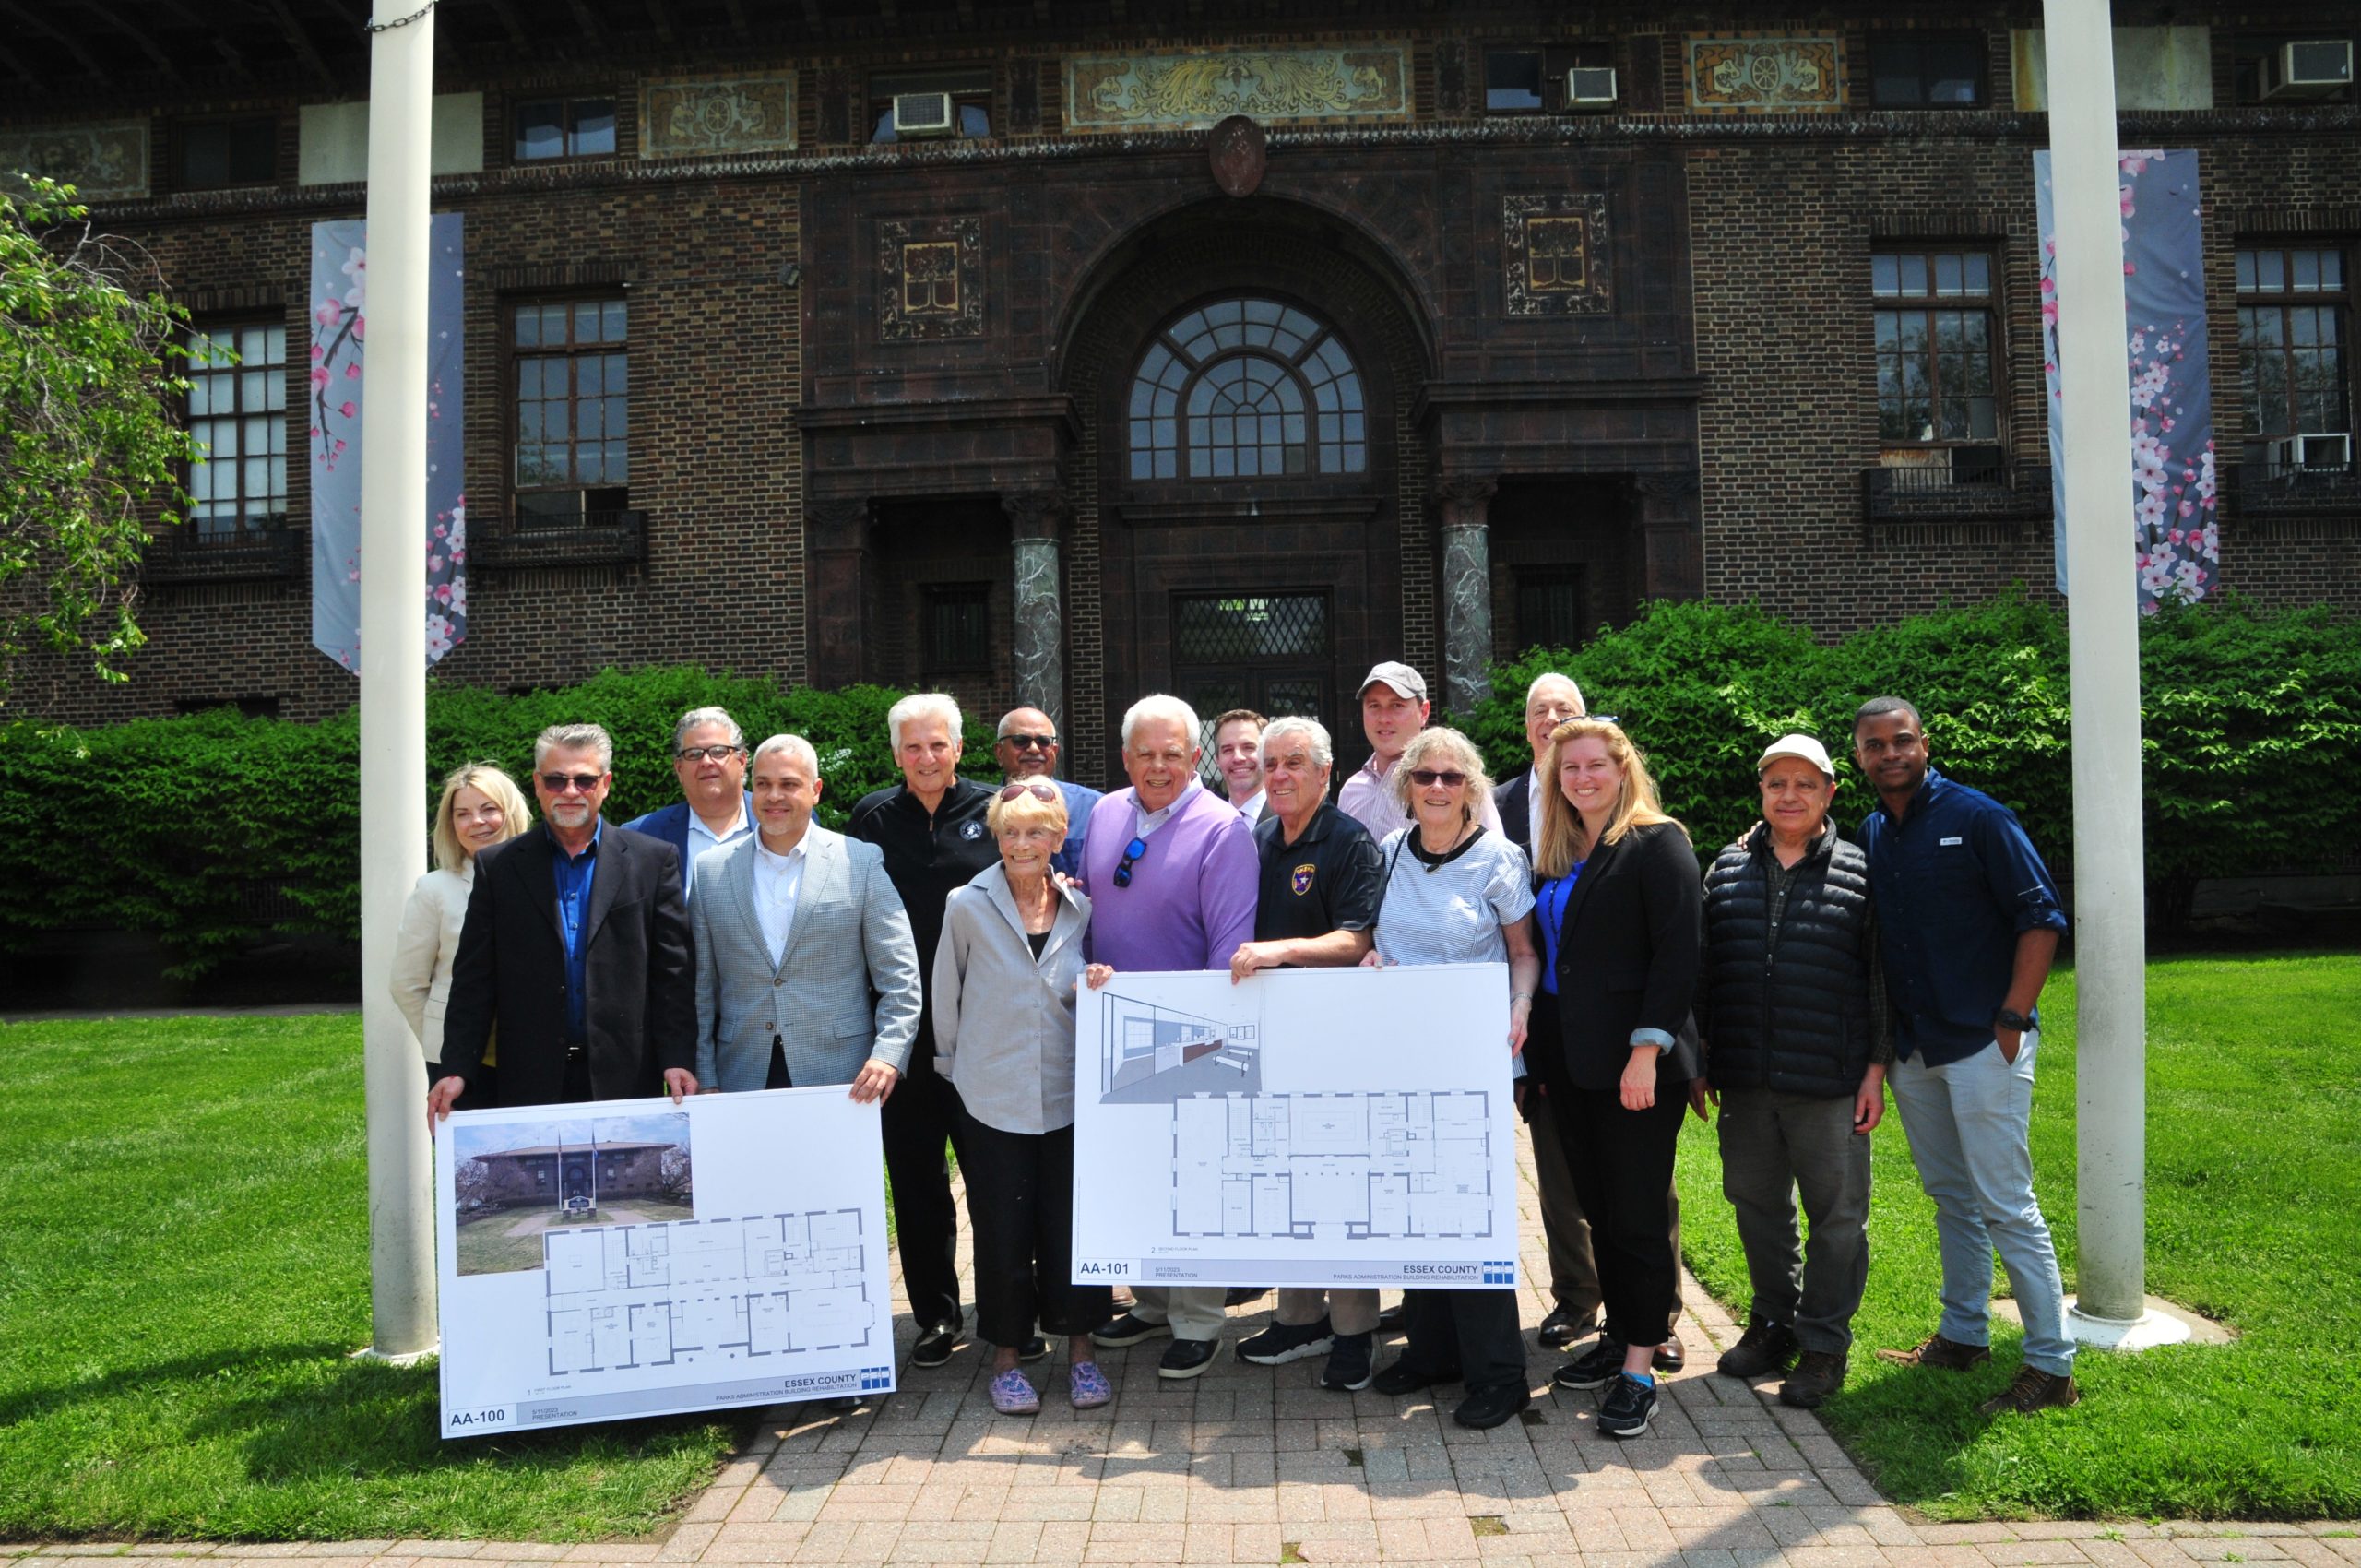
x=1968 y=1123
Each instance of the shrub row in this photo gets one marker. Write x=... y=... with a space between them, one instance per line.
x=2249 y=721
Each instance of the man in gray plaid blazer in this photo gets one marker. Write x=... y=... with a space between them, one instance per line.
x=806 y=970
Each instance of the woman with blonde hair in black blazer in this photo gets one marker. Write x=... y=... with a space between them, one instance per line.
x=1622 y=911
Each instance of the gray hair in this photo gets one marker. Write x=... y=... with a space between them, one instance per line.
x=1163 y=706
x=575 y=738
x=1533 y=690
x=697 y=718
x=1460 y=756
x=1315 y=735
x=794 y=747
x=921 y=705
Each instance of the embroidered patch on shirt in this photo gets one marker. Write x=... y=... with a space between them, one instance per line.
x=975 y=830
x=1301 y=878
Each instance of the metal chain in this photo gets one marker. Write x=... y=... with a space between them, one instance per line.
x=398 y=21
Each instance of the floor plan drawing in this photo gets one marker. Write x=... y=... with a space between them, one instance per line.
x=625 y=1297
x=1350 y=1167
x=1152 y=1055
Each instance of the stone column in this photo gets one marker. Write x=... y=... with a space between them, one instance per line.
x=1036 y=520
x=837 y=529
x=1466 y=589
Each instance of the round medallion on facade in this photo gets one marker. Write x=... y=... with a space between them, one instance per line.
x=1235 y=149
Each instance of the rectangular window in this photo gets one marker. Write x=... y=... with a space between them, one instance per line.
x=958 y=635
x=1512 y=81
x=969 y=96
x=237 y=411
x=565 y=127
x=1935 y=348
x=1548 y=606
x=572 y=408
x=215 y=154
x=2293 y=328
x=1941 y=70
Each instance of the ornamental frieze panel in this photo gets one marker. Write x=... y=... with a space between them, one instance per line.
x=97 y=161
x=1555 y=253
x=931 y=282
x=1190 y=91
x=711 y=118
x=1765 y=74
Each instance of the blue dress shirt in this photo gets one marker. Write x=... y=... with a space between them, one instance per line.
x=574 y=876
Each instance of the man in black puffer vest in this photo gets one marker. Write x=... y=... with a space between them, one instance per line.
x=1797 y=1038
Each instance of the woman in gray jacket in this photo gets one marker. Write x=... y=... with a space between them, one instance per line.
x=1004 y=980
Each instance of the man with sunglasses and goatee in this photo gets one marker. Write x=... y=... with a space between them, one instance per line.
x=1171 y=870
x=588 y=914
x=1026 y=746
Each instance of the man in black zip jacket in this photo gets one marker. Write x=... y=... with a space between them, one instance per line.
x=1797 y=1038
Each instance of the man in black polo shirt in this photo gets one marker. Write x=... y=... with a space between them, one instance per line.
x=1317 y=902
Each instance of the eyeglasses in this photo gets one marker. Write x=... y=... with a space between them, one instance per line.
x=1032 y=787
x=1030 y=743
x=698 y=754
x=1427 y=777
x=1133 y=852
x=555 y=783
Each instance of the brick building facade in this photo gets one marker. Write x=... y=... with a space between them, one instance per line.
x=1460 y=344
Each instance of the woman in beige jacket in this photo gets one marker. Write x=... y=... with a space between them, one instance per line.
x=480 y=807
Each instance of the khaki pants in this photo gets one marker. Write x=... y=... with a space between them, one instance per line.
x=1350 y=1311
x=1193 y=1311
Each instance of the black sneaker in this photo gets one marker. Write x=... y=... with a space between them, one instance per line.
x=1128 y=1329
x=1594 y=1368
x=1187 y=1358
x=1403 y=1377
x=1485 y=1408
x=1238 y=1295
x=1282 y=1343
x=1628 y=1406
x=1034 y=1349
x=935 y=1343
x=1351 y=1363
x=1763 y=1348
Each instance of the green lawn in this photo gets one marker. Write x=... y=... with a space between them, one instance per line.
x=183 y=1275
x=2254 y=1160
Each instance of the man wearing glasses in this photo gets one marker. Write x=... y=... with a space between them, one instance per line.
x=1171 y=870
x=709 y=759
x=1027 y=748
x=585 y=914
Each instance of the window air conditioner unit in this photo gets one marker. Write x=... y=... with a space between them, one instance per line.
x=2323 y=451
x=923 y=114
x=2320 y=67
x=2279 y=456
x=1590 y=87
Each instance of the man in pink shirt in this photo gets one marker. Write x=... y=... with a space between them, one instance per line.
x=1393 y=708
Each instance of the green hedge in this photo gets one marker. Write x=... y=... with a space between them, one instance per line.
x=2250 y=721
x=214 y=831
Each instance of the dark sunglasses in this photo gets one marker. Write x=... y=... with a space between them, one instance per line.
x=1426 y=777
x=1032 y=787
x=555 y=783
x=1133 y=852
x=1031 y=742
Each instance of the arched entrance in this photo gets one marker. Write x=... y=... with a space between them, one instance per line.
x=1251 y=529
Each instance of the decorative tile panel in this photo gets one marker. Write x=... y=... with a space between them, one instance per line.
x=1192 y=90
x=706 y=118
x=931 y=282
x=1765 y=74
x=97 y=161
x=1555 y=253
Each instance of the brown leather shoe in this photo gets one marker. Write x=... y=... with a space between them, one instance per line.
x=1818 y=1374
x=2031 y=1391
x=1937 y=1351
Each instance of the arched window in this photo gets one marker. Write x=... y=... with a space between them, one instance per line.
x=1247 y=389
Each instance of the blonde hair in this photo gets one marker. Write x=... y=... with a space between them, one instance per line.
x=1562 y=840
x=1028 y=810
x=515 y=814
x=1460 y=756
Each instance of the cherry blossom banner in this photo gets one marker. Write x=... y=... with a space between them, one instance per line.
x=340 y=335
x=2176 y=544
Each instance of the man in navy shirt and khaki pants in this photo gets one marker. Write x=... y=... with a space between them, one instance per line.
x=1968 y=921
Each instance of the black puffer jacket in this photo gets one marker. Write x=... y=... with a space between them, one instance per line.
x=1788 y=1009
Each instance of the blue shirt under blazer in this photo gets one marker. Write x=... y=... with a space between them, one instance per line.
x=845 y=987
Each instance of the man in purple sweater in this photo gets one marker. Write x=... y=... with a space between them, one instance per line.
x=1171 y=871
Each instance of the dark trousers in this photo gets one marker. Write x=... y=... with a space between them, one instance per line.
x=1473 y=1330
x=1622 y=1162
x=1573 y=1277
x=1020 y=1212
x=920 y=1116
x=577 y=1079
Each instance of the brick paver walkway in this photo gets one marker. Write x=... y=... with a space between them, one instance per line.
x=1255 y=1465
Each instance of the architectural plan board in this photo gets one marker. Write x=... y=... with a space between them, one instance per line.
x=635 y=1257
x=1309 y=1128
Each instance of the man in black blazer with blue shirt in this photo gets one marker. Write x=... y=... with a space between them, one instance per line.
x=714 y=809
x=575 y=948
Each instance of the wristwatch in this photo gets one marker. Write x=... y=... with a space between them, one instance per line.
x=2008 y=1020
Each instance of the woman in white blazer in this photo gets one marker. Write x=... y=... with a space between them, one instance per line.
x=1005 y=978
x=481 y=806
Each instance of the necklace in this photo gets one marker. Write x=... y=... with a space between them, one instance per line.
x=1434 y=861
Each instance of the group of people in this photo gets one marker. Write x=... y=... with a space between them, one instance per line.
x=929 y=958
